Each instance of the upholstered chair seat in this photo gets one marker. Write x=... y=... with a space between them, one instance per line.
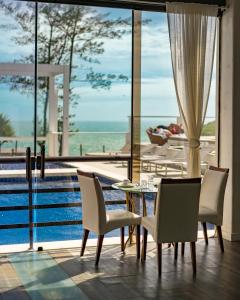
x=119 y=218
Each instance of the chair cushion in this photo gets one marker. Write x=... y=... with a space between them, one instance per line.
x=121 y=218
x=149 y=223
x=208 y=215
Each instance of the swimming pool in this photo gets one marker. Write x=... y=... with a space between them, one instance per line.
x=51 y=233
x=22 y=166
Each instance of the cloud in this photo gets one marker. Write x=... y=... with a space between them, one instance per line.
x=9 y=51
x=158 y=92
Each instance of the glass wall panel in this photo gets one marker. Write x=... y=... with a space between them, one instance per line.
x=84 y=106
x=164 y=153
x=209 y=135
x=17 y=39
x=91 y=48
x=16 y=76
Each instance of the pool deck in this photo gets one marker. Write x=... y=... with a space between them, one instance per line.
x=113 y=170
x=109 y=170
x=48 y=172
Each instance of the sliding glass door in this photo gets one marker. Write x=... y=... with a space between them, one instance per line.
x=83 y=110
x=17 y=81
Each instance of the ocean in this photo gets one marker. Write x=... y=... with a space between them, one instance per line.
x=91 y=136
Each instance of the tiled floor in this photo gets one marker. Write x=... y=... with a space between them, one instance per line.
x=10 y=284
x=122 y=277
x=43 y=278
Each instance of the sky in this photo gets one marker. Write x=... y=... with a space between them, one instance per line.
x=157 y=87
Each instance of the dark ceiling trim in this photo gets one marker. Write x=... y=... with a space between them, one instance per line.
x=152 y=5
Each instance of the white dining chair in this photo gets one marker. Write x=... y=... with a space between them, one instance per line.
x=212 y=199
x=176 y=217
x=95 y=218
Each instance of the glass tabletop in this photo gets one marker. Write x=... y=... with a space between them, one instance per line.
x=134 y=188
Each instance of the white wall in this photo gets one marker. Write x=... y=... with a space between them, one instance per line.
x=230 y=117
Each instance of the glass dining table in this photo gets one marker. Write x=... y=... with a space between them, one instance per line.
x=132 y=190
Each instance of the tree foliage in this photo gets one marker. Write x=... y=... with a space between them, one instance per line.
x=209 y=129
x=6 y=128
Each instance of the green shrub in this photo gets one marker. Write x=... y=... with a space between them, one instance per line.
x=209 y=128
x=6 y=128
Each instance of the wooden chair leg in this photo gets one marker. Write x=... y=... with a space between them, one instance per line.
x=84 y=241
x=175 y=250
x=138 y=241
x=183 y=249
x=204 y=225
x=159 y=251
x=144 y=244
x=122 y=238
x=220 y=239
x=193 y=256
x=99 y=248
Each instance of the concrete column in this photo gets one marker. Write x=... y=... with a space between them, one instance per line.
x=229 y=144
x=53 y=119
x=65 y=141
x=136 y=95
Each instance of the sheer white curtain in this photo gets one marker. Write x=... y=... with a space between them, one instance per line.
x=192 y=30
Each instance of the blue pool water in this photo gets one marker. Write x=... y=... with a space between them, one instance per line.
x=22 y=166
x=51 y=233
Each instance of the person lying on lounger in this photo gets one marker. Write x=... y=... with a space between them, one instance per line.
x=163 y=132
x=172 y=128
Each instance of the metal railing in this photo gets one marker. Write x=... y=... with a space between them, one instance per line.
x=84 y=146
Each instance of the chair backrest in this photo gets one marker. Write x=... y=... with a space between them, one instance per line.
x=177 y=210
x=213 y=190
x=93 y=206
